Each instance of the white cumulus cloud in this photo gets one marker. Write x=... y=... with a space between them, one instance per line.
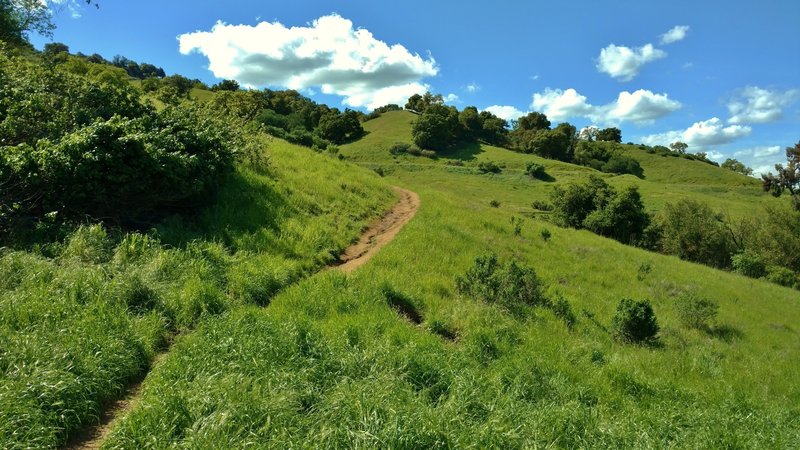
x=560 y=105
x=640 y=107
x=757 y=105
x=329 y=54
x=505 y=112
x=624 y=63
x=707 y=132
x=675 y=34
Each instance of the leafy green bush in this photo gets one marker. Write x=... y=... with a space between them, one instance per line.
x=783 y=276
x=562 y=309
x=541 y=205
x=509 y=285
x=691 y=230
x=696 y=312
x=534 y=170
x=634 y=321
x=489 y=167
x=749 y=264
x=121 y=169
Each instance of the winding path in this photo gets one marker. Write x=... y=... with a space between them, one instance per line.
x=378 y=234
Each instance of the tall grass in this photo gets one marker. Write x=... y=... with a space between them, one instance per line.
x=77 y=327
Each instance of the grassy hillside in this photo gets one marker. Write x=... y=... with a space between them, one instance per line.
x=81 y=319
x=340 y=361
x=666 y=179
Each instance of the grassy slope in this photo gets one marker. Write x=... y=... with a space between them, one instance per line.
x=666 y=179
x=75 y=328
x=330 y=364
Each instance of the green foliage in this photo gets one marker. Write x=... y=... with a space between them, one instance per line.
x=533 y=121
x=783 y=276
x=691 y=230
x=562 y=309
x=696 y=312
x=598 y=207
x=787 y=178
x=421 y=103
x=553 y=144
x=436 y=128
x=510 y=285
x=749 y=264
x=634 y=322
x=610 y=135
x=489 y=167
x=737 y=166
x=546 y=234
x=121 y=168
x=340 y=128
x=534 y=170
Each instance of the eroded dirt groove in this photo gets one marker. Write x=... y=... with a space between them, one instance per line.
x=378 y=234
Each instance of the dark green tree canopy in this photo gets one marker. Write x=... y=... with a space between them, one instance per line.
x=610 y=134
x=736 y=166
x=787 y=178
x=533 y=121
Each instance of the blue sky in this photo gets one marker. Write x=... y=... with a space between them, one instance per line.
x=723 y=76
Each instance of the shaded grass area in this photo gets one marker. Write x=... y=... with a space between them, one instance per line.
x=78 y=326
x=339 y=361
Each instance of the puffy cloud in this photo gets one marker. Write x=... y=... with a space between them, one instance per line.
x=451 y=98
x=756 y=105
x=473 y=87
x=707 y=132
x=641 y=106
x=329 y=54
x=624 y=63
x=675 y=34
x=560 y=105
x=505 y=112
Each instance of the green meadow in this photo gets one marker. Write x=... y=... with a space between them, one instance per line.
x=392 y=356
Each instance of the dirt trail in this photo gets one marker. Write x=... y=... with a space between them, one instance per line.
x=378 y=234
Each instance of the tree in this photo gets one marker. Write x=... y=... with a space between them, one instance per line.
x=679 y=147
x=692 y=231
x=495 y=129
x=420 y=103
x=610 y=134
x=340 y=128
x=553 y=144
x=471 y=122
x=533 y=121
x=736 y=166
x=787 y=178
x=436 y=128
x=226 y=85
x=588 y=133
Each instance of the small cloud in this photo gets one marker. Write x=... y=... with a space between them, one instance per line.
x=677 y=33
x=505 y=112
x=535 y=77
x=715 y=156
x=707 y=132
x=687 y=65
x=473 y=87
x=451 y=98
x=757 y=105
x=624 y=63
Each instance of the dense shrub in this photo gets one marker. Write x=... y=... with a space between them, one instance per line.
x=634 y=321
x=489 y=167
x=749 y=264
x=692 y=231
x=509 y=285
x=598 y=207
x=119 y=169
x=534 y=170
x=783 y=276
x=696 y=312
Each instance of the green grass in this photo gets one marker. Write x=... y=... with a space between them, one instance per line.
x=331 y=363
x=77 y=327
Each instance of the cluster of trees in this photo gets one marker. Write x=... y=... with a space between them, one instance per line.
x=787 y=177
x=677 y=150
x=136 y=70
x=737 y=166
x=592 y=147
x=598 y=207
x=72 y=147
x=440 y=126
x=763 y=246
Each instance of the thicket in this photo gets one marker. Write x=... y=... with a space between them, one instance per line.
x=634 y=321
x=598 y=207
x=71 y=148
x=440 y=126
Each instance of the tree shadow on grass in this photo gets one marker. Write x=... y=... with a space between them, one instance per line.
x=246 y=203
x=544 y=176
x=464 y=151
x=725 y=333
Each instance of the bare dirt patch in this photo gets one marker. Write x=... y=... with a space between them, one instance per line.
x=380 y=232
